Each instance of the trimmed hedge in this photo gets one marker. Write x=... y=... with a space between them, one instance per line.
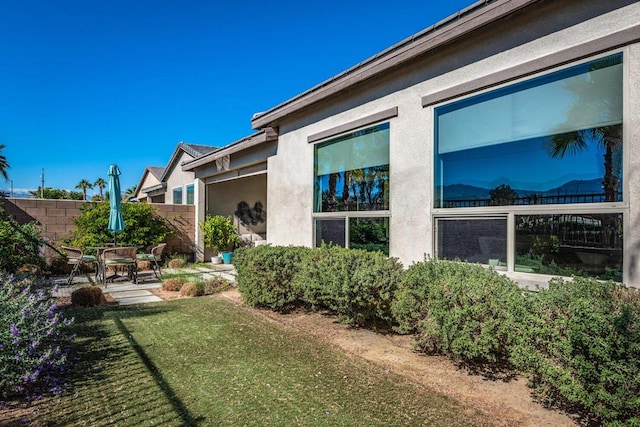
x=578 y=342
x=465 y=311
x=265 y=275
x=355 y=284
x=580 y=348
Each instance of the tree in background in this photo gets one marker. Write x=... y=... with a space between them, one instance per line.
x=129 y=193
x=56 y=193
x=4 y=165
x=84 y=185
x=100 y=184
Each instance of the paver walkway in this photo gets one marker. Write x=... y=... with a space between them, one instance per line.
x=127 y=293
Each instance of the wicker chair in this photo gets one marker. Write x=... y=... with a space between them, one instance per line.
x=76 y=258
x=154 y=256
x=120 y=257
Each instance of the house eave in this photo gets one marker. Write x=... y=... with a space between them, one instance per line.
x=475 y=16
x=266 y=135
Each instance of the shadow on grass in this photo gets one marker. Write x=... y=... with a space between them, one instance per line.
x=177 y=404
x=112 y=380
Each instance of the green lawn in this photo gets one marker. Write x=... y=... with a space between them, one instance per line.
x=204 y=361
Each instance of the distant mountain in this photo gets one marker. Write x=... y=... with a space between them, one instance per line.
x=592 y=186
x=472 y=192
x=17 y=194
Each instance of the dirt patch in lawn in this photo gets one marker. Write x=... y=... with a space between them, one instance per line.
x=507 y=403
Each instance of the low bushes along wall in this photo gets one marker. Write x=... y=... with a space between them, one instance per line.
x=578 y=342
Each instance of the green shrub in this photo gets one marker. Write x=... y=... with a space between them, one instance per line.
x=143 y=226
x=580 y=348
x=219 y=233
x=34 y=338
x=465 y=311
x=215 y=285
x=173 y=284
x=265 y=275
x=356 y=284
x=20 y=244
x=88 y=296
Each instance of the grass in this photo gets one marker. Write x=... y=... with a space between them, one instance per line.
x=205 y=361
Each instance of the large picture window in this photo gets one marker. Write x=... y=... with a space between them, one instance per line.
x=529 y=148
x=351 y=175
x=554 y=139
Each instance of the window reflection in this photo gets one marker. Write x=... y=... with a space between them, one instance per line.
x=570 y=244
x=352 y=172
x=371 y=234
x=554 y=139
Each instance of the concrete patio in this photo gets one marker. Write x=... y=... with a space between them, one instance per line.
x=125 y=292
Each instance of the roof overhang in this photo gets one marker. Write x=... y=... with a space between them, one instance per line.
x=266 y=135
x=155 y=190
x=479 y=14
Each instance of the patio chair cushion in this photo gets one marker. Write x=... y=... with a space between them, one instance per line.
x=85 y=258
x=120 y=261
x=148 y=257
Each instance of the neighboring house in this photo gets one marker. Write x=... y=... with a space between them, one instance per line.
x=507 y=134
x=232 y=181
x=150 y=189
x=172 y=185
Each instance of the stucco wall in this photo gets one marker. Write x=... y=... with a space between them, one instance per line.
x=290 y=182
x=179 y=178
x=149 y=181
x=55 y=218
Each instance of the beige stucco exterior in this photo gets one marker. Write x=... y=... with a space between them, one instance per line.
x=177 y=178
x=531 y=37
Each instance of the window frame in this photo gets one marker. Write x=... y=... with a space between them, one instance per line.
x=511 y=211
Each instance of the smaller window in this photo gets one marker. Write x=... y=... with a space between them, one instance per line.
x=371 y=234
x=190 y=194
x=177 y=196
x=481 y=240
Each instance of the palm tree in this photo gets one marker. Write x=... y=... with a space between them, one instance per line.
x=4 y=165
x=129 y=193
x=84 y=185
x=609 y=136
x=100 y=183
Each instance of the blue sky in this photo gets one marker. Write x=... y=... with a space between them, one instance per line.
x=84 y=84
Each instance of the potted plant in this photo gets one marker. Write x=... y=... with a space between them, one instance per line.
x=220 y=235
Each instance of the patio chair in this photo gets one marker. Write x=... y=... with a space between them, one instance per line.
x=120 y=257
x=76 y=258
x=154 y=256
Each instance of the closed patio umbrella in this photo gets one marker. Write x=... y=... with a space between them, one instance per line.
x=116 y=223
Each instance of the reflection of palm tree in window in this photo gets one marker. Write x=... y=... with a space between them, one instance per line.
x=591 y=101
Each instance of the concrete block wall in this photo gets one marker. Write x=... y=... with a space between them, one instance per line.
x=182 y=220
x=56 y=220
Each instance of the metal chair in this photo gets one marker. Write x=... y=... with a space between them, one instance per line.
x=154 y=256
x=76 y=258
x=120 y=257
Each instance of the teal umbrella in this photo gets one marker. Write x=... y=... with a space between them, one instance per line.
x=116 y=223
